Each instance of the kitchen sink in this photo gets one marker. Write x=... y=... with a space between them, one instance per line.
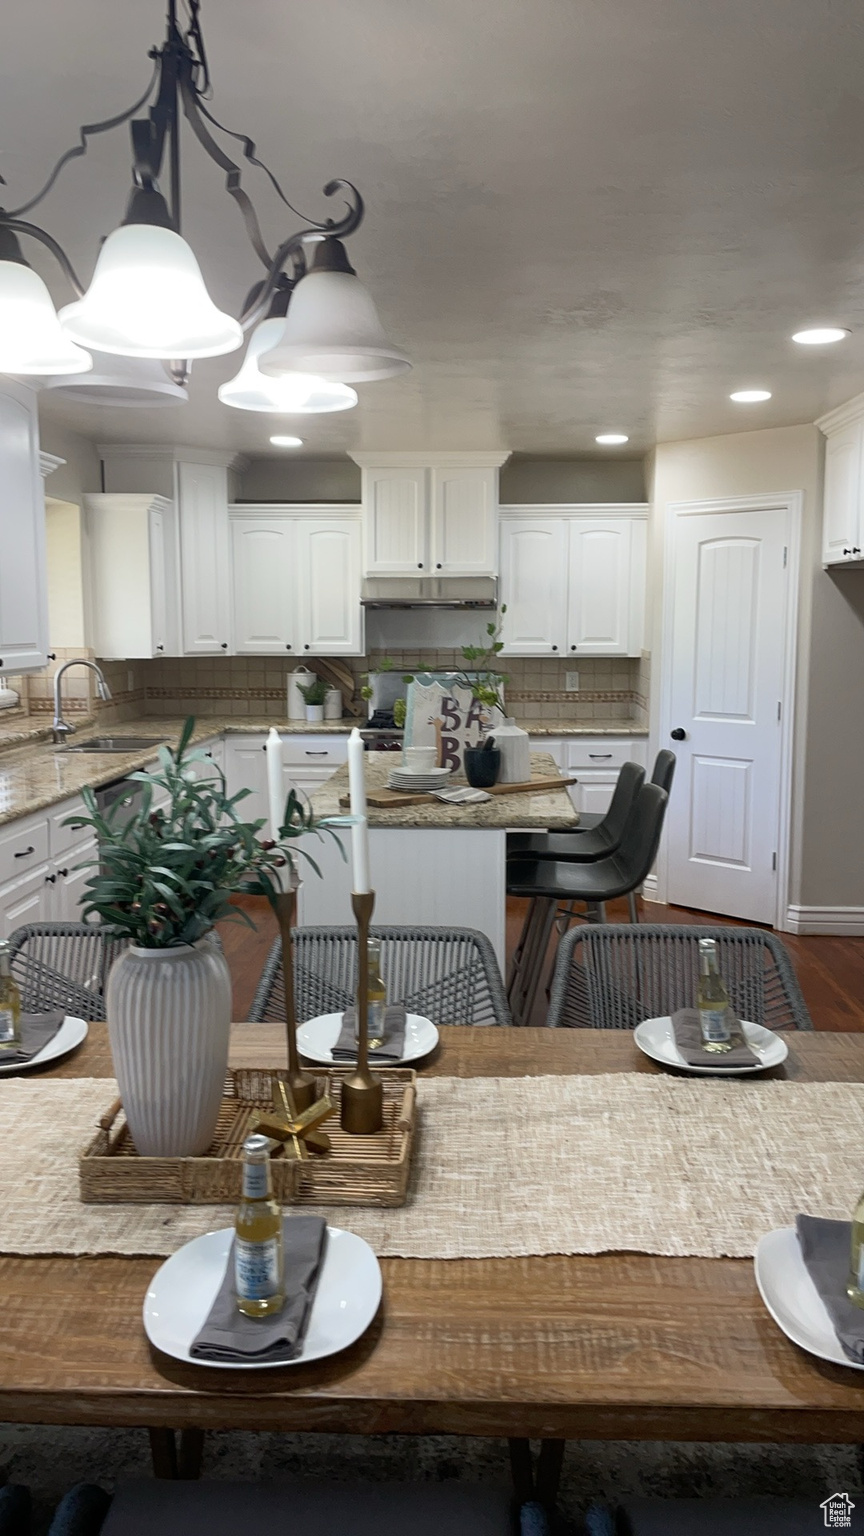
x=113 y=744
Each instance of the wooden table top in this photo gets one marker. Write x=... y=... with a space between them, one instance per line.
x=586 y=1347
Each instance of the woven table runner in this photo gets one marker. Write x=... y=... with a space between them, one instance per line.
x=502 y=1167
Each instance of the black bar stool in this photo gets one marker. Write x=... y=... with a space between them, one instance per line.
x=550 y=883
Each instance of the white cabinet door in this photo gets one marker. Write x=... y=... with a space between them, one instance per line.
x=599 y=599
x=68 y=889
x=396 y=517
x=26 y=901
x=464 y=505
x=133 y=592
x=246 y=768
x=266 y=614
x=159 y=581
x=534 y=585
x=841 y=525
x=593 y=794
x=202 y=498
x=328 y=565
x=23 y=579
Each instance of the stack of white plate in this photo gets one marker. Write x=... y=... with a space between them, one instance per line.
x=418 y=783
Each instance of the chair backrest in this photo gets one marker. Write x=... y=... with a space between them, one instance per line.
x=449 y=975
x=63 y=965
x=613 y=977
x=627 y=787
x=663 y=771
x=640 y=839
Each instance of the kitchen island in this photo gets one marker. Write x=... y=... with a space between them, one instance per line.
x=432 y=864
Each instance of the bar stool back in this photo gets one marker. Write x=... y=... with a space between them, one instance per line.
x=582 y=846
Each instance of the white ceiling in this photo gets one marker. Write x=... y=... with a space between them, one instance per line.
x=581 y=214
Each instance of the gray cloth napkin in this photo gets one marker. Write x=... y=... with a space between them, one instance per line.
x=229 y=1335
x=688 y=1038
x=36 y=1030
x=826 y=1250
x=395 y=1019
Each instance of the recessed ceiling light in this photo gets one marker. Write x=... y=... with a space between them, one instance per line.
x=821 y=336
x=612 y=439
x=750 y=396
x=281 y=441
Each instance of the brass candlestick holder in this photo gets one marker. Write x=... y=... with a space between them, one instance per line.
x=304 y=1090
x=362 y=1112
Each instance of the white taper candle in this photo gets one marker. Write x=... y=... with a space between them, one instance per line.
x=360 y=829
x=275 y=784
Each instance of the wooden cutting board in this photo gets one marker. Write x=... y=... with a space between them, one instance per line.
x=390 y=799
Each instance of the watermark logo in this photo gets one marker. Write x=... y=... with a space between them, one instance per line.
x=838 y=1512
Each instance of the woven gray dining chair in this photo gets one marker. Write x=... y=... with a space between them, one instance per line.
x=449 y=975
x=615 y=976
x=63 y=965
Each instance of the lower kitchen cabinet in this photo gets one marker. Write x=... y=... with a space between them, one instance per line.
x=40 y=877
x=307 y=763
x=595 y=762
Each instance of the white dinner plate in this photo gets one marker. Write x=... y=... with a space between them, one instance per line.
x=317 y=1037
x=401 y=778
x=792 y=1298
x=655 y=1038
x=184 y=1289
x=71 y=1033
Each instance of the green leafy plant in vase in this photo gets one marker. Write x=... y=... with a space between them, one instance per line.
x=314 y=694
x=164 y=876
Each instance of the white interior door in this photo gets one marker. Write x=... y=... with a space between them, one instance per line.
x=730 y=595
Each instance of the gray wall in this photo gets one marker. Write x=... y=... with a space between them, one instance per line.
x=286 y=479
x=523 y=480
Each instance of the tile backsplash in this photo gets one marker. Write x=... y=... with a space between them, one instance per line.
x=610 y=688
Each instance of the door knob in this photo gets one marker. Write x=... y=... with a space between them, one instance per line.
x=678 y=734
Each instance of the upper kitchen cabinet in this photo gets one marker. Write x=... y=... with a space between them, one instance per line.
x=573 y=580
x=205 y=565
x=131 y=561
x=197 y=481
x=435 y=514
x=843 y=498
x=296 y=574
x=23 y=579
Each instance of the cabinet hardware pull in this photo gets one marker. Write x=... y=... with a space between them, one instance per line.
x=847 y=551
x=599 y=754
x=439 y=566
x=855 y=549
x=287 y=645
x=573 y=647
x=316 y=754
x=554 y=647
x=63 y=872
x=50 y=879
x=25 y=852
x=223 y=645
x=306 y=647
x=52 y=655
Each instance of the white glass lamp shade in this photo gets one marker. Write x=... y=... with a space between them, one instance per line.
x=291 y=393
x=123 y=381
x=31 y=337
x=332 y=329
x=148 y=299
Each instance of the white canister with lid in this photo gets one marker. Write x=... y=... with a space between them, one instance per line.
x=515 y=747
x=296 y=701
x=333 y=704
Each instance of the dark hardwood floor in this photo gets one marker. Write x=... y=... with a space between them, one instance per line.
x=830 y=970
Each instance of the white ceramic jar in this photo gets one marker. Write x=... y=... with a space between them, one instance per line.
x=515 y=747
x=169 y=1018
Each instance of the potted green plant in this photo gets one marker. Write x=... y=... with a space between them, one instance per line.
x=314 y=694
x=163 y=878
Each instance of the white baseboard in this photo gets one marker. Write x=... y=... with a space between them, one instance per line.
x=848 y=922
x=649 y=889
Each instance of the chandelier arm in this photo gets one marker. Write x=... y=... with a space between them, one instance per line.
x=23 y=227
x=263 y=292
x=192 y=109
x=84 y=133
x=250 y=153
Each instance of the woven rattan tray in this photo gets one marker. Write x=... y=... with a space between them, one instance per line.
x=359 y=1170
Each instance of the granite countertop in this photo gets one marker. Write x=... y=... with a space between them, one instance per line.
x=34 y=775
x=536 y=812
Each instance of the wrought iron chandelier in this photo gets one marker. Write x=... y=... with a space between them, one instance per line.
x=314 y=328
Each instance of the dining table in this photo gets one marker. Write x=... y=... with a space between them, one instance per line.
x=610 y=1345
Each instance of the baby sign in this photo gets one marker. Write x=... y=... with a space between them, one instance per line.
x=442 y=713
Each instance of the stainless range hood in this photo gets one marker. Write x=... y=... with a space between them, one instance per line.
x=430 y=592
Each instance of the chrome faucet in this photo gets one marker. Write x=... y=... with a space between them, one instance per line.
x=62 y=727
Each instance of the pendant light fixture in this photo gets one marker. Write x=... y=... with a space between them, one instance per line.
x=120 y=381
x=332 y=327
x=290 y=393
x=148 y=298
x=31 y=338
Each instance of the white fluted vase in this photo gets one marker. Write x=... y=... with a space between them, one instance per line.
x=169 y=1017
